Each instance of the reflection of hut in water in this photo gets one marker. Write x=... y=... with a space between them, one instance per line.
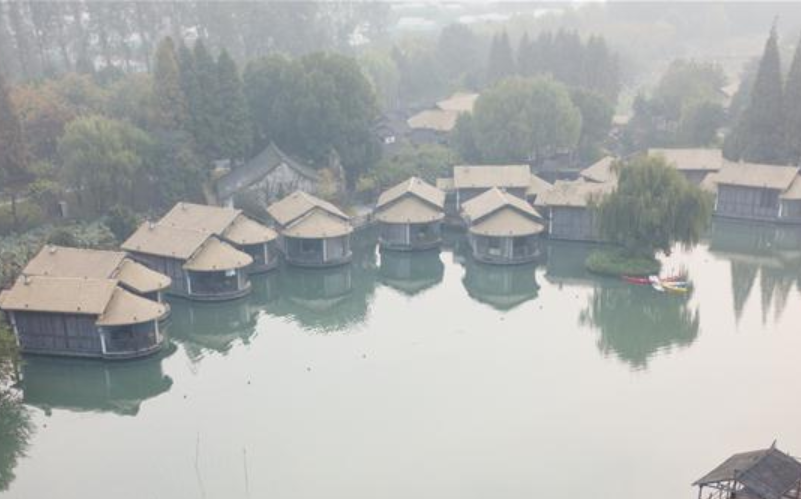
x=771 y=253
x=564 y=263
x=501 y=287
x=83 y=385
x=636 y=322
x=329 y=299
x=218 y=326
x=411 y=273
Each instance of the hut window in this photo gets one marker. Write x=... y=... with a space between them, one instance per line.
x=768 y=198
x=309 y=245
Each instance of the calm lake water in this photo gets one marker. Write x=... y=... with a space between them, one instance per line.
x=430 y=376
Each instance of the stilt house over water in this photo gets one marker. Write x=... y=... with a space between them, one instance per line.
x=694 y=164
x=60 y=261
x=84 y=317
x=470 y=181
x=232 y=226
x=201 y=265
x=762 y=474
x=757 y=192
x=410 y=216
x=569 y=209
x=502 y=228
x=313 y=232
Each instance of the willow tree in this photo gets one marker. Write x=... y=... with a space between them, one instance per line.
x=653 y=208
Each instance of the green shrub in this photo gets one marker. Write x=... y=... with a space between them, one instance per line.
x=122 y=222
x=618 y=262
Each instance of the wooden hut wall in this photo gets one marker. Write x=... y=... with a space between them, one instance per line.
x=394 y=233
x=337 y=248
x=791 y=211
x=168 y=266
x=57 y=333
x=573 y=223
x=133 y=338
x=747 y=202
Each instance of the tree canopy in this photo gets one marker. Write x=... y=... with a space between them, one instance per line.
x=759 y=134
x=653 y=208
x=792 y=107
x=315 y=106
x=520 y=120
x=102 y=158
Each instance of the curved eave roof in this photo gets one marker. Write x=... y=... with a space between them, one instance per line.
x=125 y=308
x=140 y=278
x=245 y=231
x=413 y=186
x=318 y=224
x=215 y=256
x=507 y=222
x=409 y=210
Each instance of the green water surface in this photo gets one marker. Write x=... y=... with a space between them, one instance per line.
x=432 y=376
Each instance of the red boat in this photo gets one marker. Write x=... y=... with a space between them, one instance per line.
x=646 y=281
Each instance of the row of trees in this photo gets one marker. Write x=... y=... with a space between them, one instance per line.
x=415 y=72
x=523 y=120
x=769 y=128
x=686 y=109
x=46 y=38
x=587 y=64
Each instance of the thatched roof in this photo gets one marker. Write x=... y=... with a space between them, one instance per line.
x=765 y=474
x=696 y=159
x=215 y=255
x=757 y=175
x=415 y=187
x=257 y=168
x=318 y=224
x=244 y=231
x=60 y=261
x=433 y=119
x=408 y=210
x=498 y=213
x=577 y=193
x=601 y=171
x=205 y=218
x=487 y=176
x=298 y=204
x=126 y=308
x=537 y=186
x=165 y=241
x=793 y=193
x=460 y=102
x=140 y=278
x=73 y=295
x=230 y=223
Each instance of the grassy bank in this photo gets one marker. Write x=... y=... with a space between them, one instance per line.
x=616 y=263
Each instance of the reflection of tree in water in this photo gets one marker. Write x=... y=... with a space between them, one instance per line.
x=89 y=385
x=16 y=429
x=636 y=322
x=216 y=327
x=330 y=299
x=411 y=272
x=770 y=252
x=503 y=287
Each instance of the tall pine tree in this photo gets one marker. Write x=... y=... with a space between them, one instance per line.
x=501 y=62
x=235 y=132
x=762 y=136
x=190 y=86
x=171 y=106
x=14 y=173
x=207 y=109
x=792 y=109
